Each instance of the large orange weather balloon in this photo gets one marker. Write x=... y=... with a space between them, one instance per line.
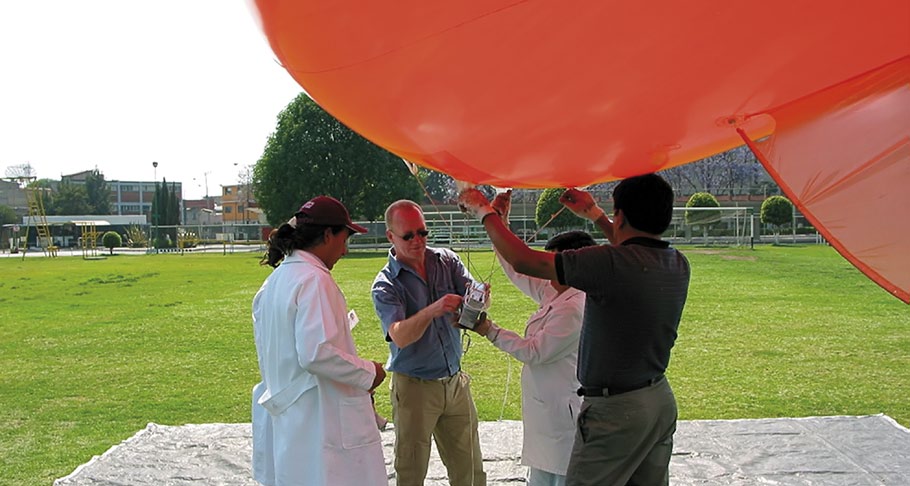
x=543 y=93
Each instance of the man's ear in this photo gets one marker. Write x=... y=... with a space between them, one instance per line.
x=388 y=235
x=619 y=218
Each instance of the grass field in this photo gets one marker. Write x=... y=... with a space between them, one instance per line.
x=92 y=351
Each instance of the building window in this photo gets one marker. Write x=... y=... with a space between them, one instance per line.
x=227 y=209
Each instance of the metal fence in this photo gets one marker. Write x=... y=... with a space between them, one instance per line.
x=729 y=226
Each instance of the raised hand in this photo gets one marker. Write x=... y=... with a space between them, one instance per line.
x=502 y=204
x=582 y=204
x=473 y=202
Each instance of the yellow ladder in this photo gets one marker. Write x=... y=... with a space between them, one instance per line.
x=89 y=239
x=38 y=218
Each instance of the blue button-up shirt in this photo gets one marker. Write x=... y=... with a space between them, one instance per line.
x=399 y=292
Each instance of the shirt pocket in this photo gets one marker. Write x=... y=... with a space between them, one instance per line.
x=358 y=424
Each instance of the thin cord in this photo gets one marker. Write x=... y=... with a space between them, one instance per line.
x=505 y=395
x=465 y=336
x=413 y=169
x=534 y=236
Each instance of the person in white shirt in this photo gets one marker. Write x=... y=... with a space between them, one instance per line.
x=313 y=420
x=549 y=353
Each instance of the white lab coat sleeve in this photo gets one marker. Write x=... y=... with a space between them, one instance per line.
x=324 y=344
x=535 y=288
x=556 y=338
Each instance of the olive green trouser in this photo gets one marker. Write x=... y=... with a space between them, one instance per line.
x=442 y=409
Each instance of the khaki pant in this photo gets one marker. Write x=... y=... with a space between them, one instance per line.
x=442 y=409
x=625 y=439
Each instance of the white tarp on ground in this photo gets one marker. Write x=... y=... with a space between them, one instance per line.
x=870 y=450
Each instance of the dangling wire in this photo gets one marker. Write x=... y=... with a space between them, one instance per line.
x=414 y=169
x=505 y=395
x=534 y=236
x=465 y=342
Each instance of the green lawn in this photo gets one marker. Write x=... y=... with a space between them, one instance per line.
x=92 y=351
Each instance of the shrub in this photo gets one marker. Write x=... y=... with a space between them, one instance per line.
x=164 y=241
x=702 y=218
x=111 y=240
x=777 y=211
x=135 y=237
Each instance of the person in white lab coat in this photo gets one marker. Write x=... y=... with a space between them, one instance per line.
x=313 y=421
x=549 y=353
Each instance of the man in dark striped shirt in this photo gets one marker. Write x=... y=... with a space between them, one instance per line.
x=636 y=288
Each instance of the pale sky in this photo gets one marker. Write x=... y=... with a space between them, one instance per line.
x=118 y=84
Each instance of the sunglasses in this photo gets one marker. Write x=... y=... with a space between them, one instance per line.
x=411 y=234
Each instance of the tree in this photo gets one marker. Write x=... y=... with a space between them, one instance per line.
x=111 y=240
x=548 y=205
x=702 y=218
x=165 y=212
x=777 y=211
x=733 y=171
x=68 y=199
x=7 y=215
x=311 y=154
x=173 y=210
x=98 y=195
x=43 y=183
x=440 y=187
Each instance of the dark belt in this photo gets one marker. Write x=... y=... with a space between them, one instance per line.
x=587 y=391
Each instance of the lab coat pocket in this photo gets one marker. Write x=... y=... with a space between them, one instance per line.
x=549 y=418
x=358 y=424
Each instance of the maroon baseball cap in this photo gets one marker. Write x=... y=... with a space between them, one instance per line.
x=327 y=211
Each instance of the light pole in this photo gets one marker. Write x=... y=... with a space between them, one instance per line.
x=248 y=185
x=153 y=215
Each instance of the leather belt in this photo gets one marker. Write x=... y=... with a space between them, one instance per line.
x=586 y=391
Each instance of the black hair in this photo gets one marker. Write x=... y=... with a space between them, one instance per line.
x=286 y=238
x=646 y=201
x=570 y=240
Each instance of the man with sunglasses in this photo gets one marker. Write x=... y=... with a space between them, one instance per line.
x=417 y=296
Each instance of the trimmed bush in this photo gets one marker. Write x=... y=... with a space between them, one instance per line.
x=548 y=204
x=111 y=240
x=703 y=218
x=777 y=211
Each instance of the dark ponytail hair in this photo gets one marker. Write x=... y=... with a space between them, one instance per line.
x=286 y=238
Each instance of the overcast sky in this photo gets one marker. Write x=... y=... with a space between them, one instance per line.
x=118 y=84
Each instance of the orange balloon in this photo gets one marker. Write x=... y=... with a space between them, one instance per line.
x=551 y=93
